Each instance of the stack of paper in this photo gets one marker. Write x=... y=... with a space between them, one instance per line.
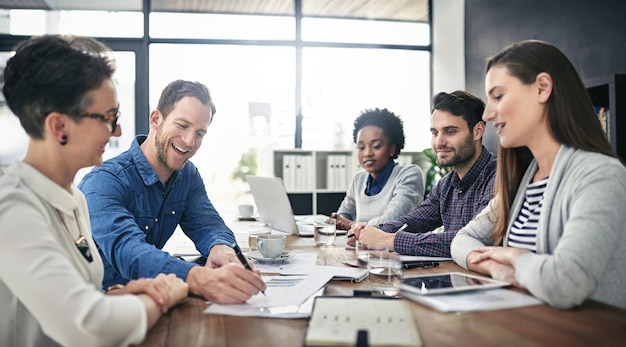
x=285 y=297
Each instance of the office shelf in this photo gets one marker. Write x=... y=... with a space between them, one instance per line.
x=316 y=181
x=610 y=92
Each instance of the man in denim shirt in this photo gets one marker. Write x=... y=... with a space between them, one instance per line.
x=457 y=129
x=137 y=199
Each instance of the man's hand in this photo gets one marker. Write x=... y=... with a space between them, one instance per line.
x=356 y=231
x=371 y=235
x=221 y=255
x=229 y=284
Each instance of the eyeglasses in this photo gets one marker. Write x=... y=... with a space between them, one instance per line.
x=107 y=117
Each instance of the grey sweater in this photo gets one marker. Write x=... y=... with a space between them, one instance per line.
x=581 y=236
x=403 y=191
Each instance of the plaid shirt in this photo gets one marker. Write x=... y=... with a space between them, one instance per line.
x=453 y=202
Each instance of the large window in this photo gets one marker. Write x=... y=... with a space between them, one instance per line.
x=253 y=90
x=284 y=74
x=339 y=83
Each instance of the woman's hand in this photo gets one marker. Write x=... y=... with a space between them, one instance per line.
x=343 y=222
x=503 y=255
x=498 y=262
x=165 y=290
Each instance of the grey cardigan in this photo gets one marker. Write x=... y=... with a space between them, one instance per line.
x=581 y=236
x=403 y=191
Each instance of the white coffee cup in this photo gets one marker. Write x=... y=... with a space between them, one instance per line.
x=254 y=230
x=245 y=211
x=271 y=246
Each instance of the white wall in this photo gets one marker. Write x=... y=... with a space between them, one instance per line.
x=448 y=25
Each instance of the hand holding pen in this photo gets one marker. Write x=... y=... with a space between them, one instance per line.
x=242 y=258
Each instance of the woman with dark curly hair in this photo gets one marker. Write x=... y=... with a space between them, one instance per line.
x=384 y=189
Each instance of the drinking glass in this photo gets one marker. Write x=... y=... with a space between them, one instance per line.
x=325 y=231
x=384 y=266
x=254 y=230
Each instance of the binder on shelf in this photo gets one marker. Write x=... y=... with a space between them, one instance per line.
x=299 y=173
x=304 y=173
x=331 y=167
x=343 y=173
x=289 y=172
x=404 y=159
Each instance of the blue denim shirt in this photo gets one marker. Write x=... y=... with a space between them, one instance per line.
x=133 y=214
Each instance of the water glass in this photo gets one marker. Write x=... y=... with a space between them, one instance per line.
x=384 y=266
x=254 y=230
x=325 y=231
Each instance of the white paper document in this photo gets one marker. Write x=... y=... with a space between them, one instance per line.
x=340 y=273
x=285 y=297
x=482 y=300
x=299 y=259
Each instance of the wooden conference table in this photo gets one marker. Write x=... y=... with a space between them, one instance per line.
x=592 y=323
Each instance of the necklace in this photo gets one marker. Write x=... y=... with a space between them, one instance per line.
x=81 y=241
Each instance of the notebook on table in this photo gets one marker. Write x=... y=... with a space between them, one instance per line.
x=350 y=321
x=274 y=207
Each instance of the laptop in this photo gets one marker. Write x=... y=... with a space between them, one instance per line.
x=274 y=207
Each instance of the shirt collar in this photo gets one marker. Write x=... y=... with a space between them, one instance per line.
x=474 y=171
x=47 y=189
x=147 y=173
x=383 y=176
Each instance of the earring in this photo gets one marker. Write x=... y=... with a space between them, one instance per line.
x=63 y=141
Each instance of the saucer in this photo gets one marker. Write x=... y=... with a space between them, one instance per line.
x=256 y=255
x=247 y=219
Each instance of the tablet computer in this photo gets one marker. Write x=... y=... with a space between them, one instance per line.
x=448 y=282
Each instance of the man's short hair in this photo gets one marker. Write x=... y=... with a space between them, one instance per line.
x=461 y=103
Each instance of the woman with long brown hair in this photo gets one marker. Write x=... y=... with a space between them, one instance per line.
x=556 y=224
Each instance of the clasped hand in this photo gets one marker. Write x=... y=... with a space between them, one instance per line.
x=165 y=290
x=498 y=262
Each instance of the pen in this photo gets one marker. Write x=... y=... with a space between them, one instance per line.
x=420 y=264
x=402 y=227
x=242 y=258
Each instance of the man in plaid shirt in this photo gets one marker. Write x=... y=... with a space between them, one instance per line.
x=457 y=129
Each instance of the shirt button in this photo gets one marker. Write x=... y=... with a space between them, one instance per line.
x=173 y=212
x=146 y=227
x=156 y=219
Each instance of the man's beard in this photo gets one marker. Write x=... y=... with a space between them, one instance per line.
x=464 y=153
x=161 y=148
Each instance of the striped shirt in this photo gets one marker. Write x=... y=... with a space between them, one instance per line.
x=524 y=230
